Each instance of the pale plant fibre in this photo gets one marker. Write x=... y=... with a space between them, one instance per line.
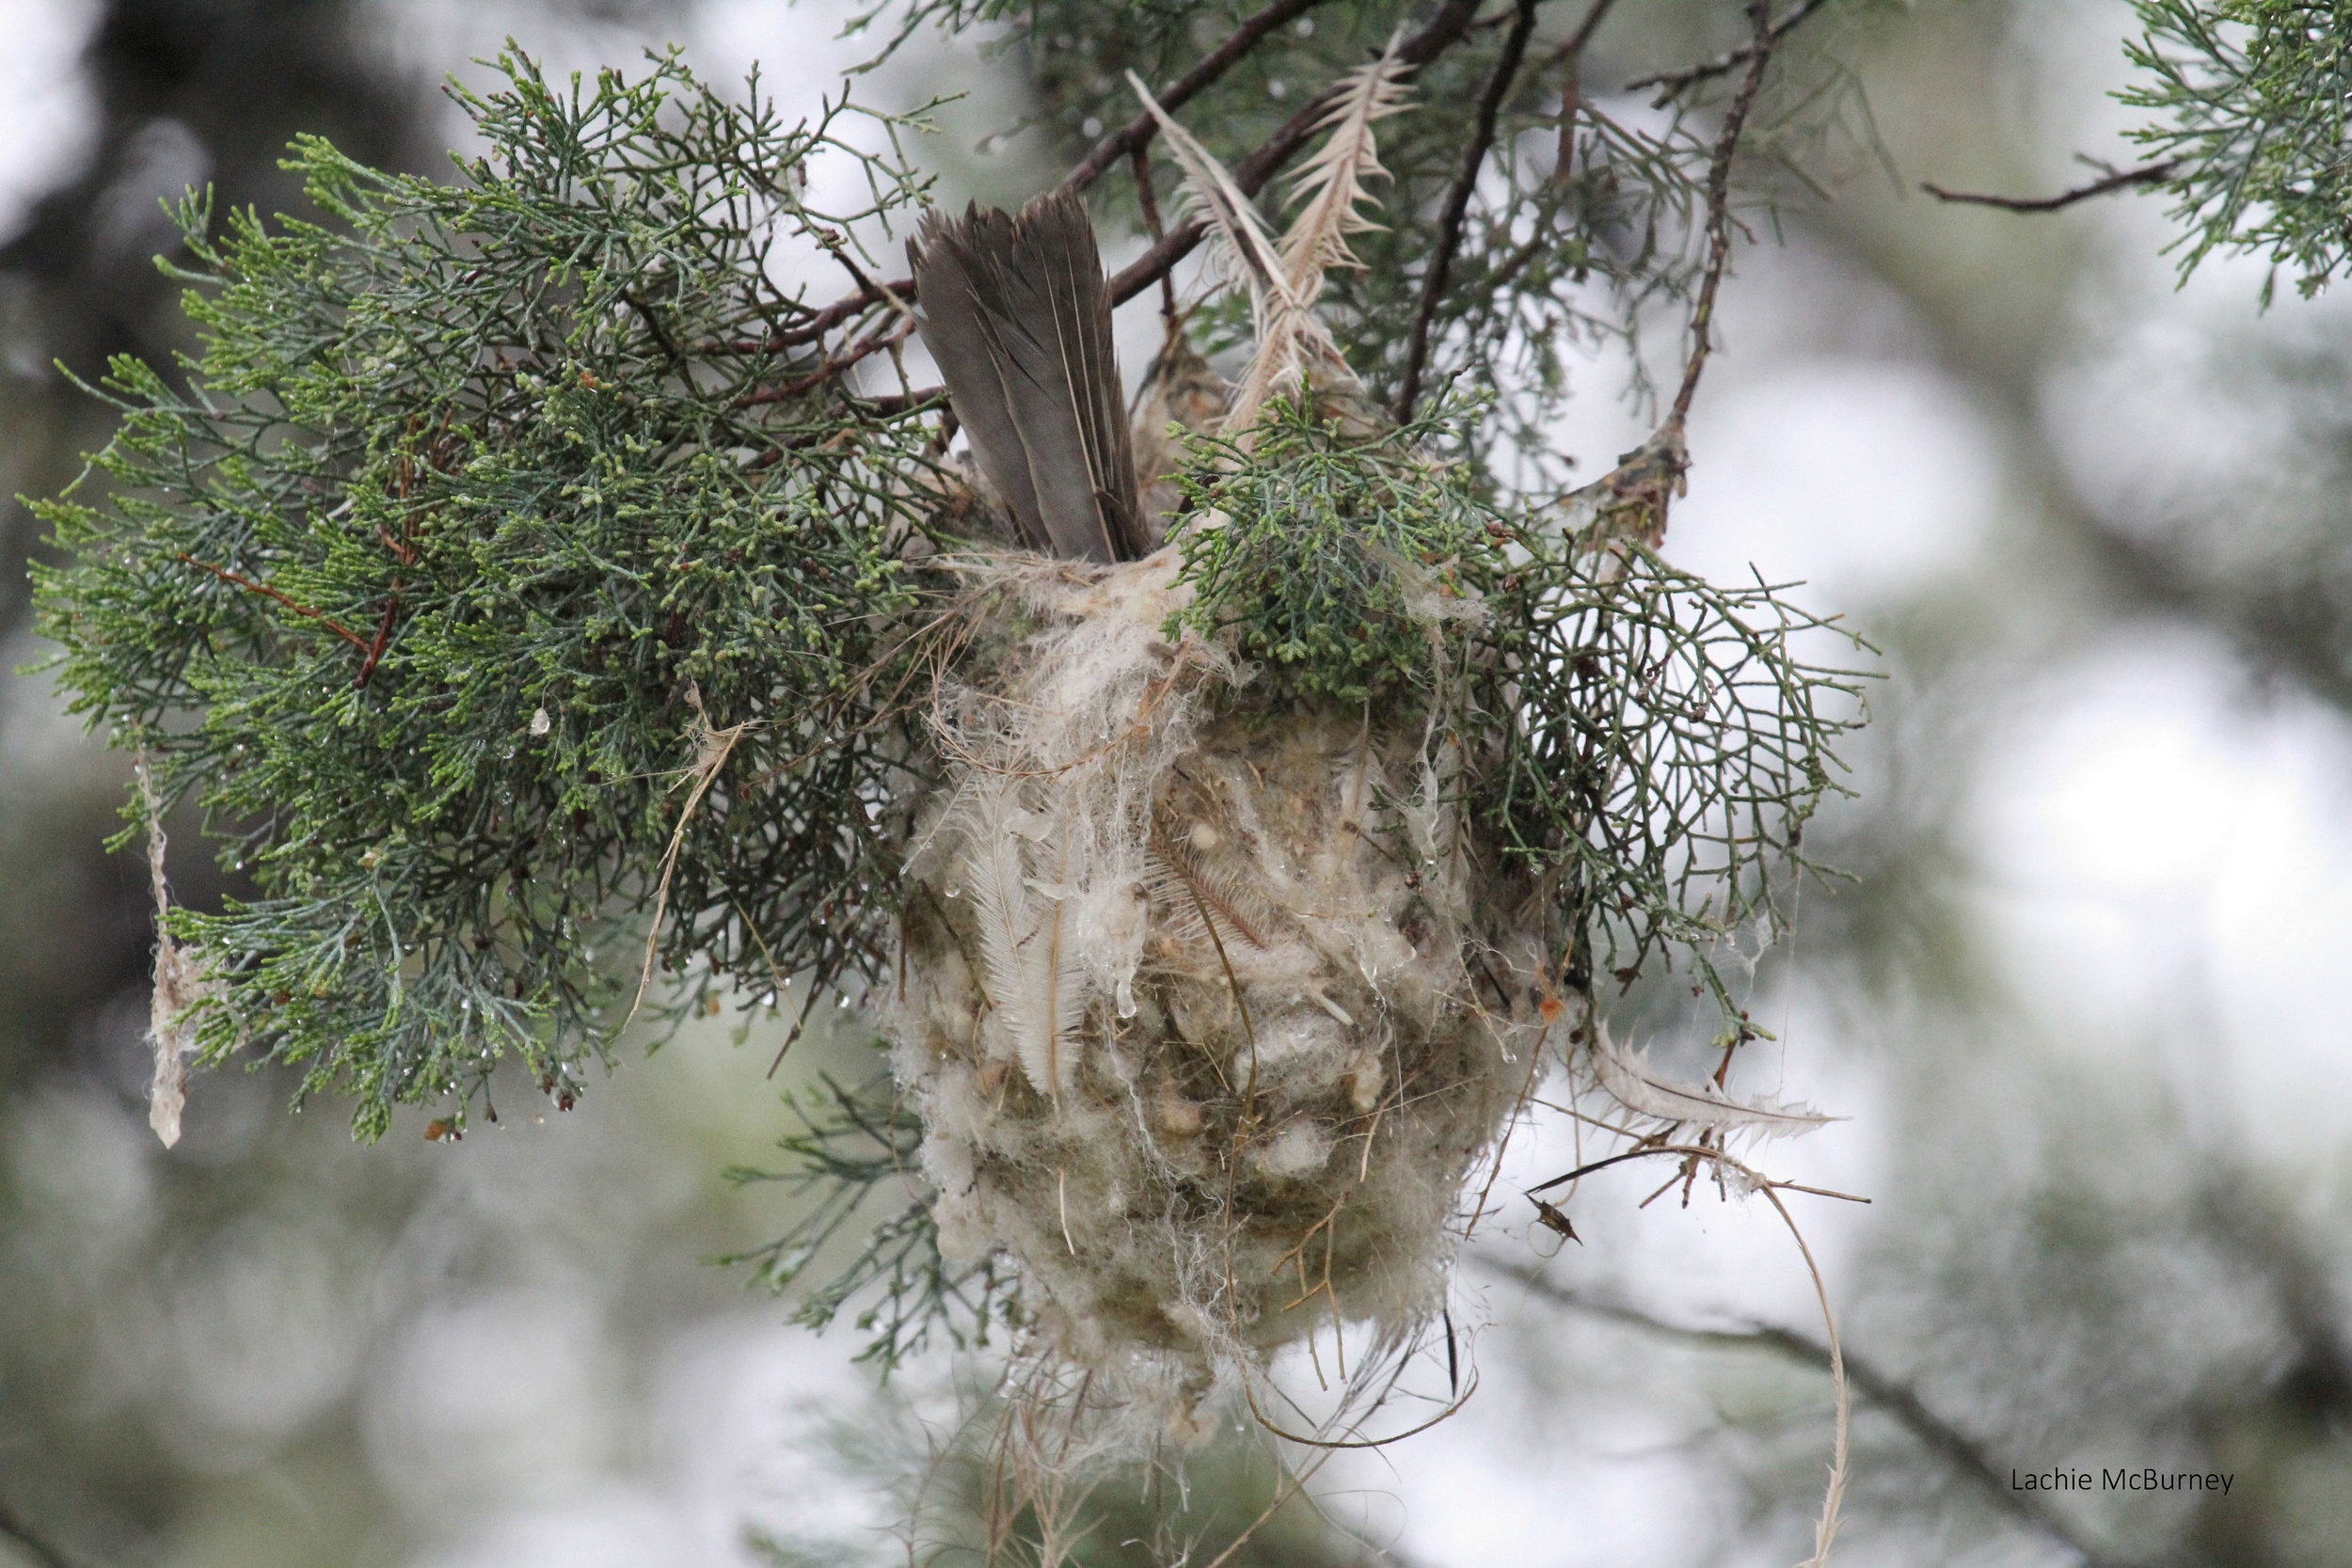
x=1666 y=1107
x=1187 y=1002
x=1285 y=279
x=181 y=984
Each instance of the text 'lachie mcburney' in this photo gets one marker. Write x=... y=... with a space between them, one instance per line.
x=2148 y=1478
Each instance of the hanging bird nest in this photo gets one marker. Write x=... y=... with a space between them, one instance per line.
x=1258 y=874
x=1191 y=1000
x=1186 y=998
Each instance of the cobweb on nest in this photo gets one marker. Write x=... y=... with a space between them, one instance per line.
x=1186 y=1009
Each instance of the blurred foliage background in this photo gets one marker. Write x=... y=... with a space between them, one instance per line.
x=2081 y=998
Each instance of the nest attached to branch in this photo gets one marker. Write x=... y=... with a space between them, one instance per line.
x=1208 y=1006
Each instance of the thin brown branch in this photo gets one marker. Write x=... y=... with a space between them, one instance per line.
x=1719 y=207
x=1966 y=1456
x=265 y=590
x=1672 y=82
x=897 y=403
x=2147 y=174
x=1571 y=55
x=1442 y=31
x=1136 y=134
x=1140 y=162
x=382 y=640
x=865 y=348
x=1452 y=20
x=1584 y=31
x=819 y=323
x=1129 y=138
x=1458 y=203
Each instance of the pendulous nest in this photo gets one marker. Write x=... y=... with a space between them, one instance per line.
x=1209 y=1004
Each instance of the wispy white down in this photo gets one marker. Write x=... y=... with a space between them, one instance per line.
x=1332 y=185
x=1033 y=976
x=1240 y=250
x=1285 y=280
x=1296 y=346
x=1641 y=1088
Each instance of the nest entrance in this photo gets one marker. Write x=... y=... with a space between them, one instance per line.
x=1210 y=1006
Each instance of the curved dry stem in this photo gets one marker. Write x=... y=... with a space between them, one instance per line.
x=1825 y=1529
x=712 y=747
x=1452 y=1407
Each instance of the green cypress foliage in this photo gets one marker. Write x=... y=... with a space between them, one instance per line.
x=1321 y=544
x=484 y=502
x=2254 y=105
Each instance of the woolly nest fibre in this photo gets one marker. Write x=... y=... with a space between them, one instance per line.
x=1190 y=1001
x=1187 y=1010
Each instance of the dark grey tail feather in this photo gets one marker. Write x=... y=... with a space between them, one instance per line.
x=1015 y=311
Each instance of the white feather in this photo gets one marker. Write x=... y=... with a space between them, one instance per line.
x=1244 y=251
x=1296 y=346
x=1037 y=989
x=1640 y=1088
x=1332 y=183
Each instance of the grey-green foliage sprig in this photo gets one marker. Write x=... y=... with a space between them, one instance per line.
x=2254 y=106
x=480 y=505
x=1658 y=743
x=1326 y=552
x=852 y=1142
x=1649 y=744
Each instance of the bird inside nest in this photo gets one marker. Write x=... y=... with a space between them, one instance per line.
x=1015 y=310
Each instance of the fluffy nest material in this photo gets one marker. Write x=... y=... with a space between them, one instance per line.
x=1210 y=1006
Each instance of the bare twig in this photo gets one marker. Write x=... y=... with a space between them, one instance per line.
x=2147 y=174
x=382 y=640
x=1718 y=206
x=1672 y=82
x=819 y=323
x=1129 y=138
x=865 y=348
x=899 y=402
x=241 y=581
x=1458 y=203
x=1571 y=55
x=1933 y=1433
x=1283 y=1493
x=1452 y=22
x=1136 y=134
x=1251 y=175
x=1141 y=163
x=1825 y=1531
